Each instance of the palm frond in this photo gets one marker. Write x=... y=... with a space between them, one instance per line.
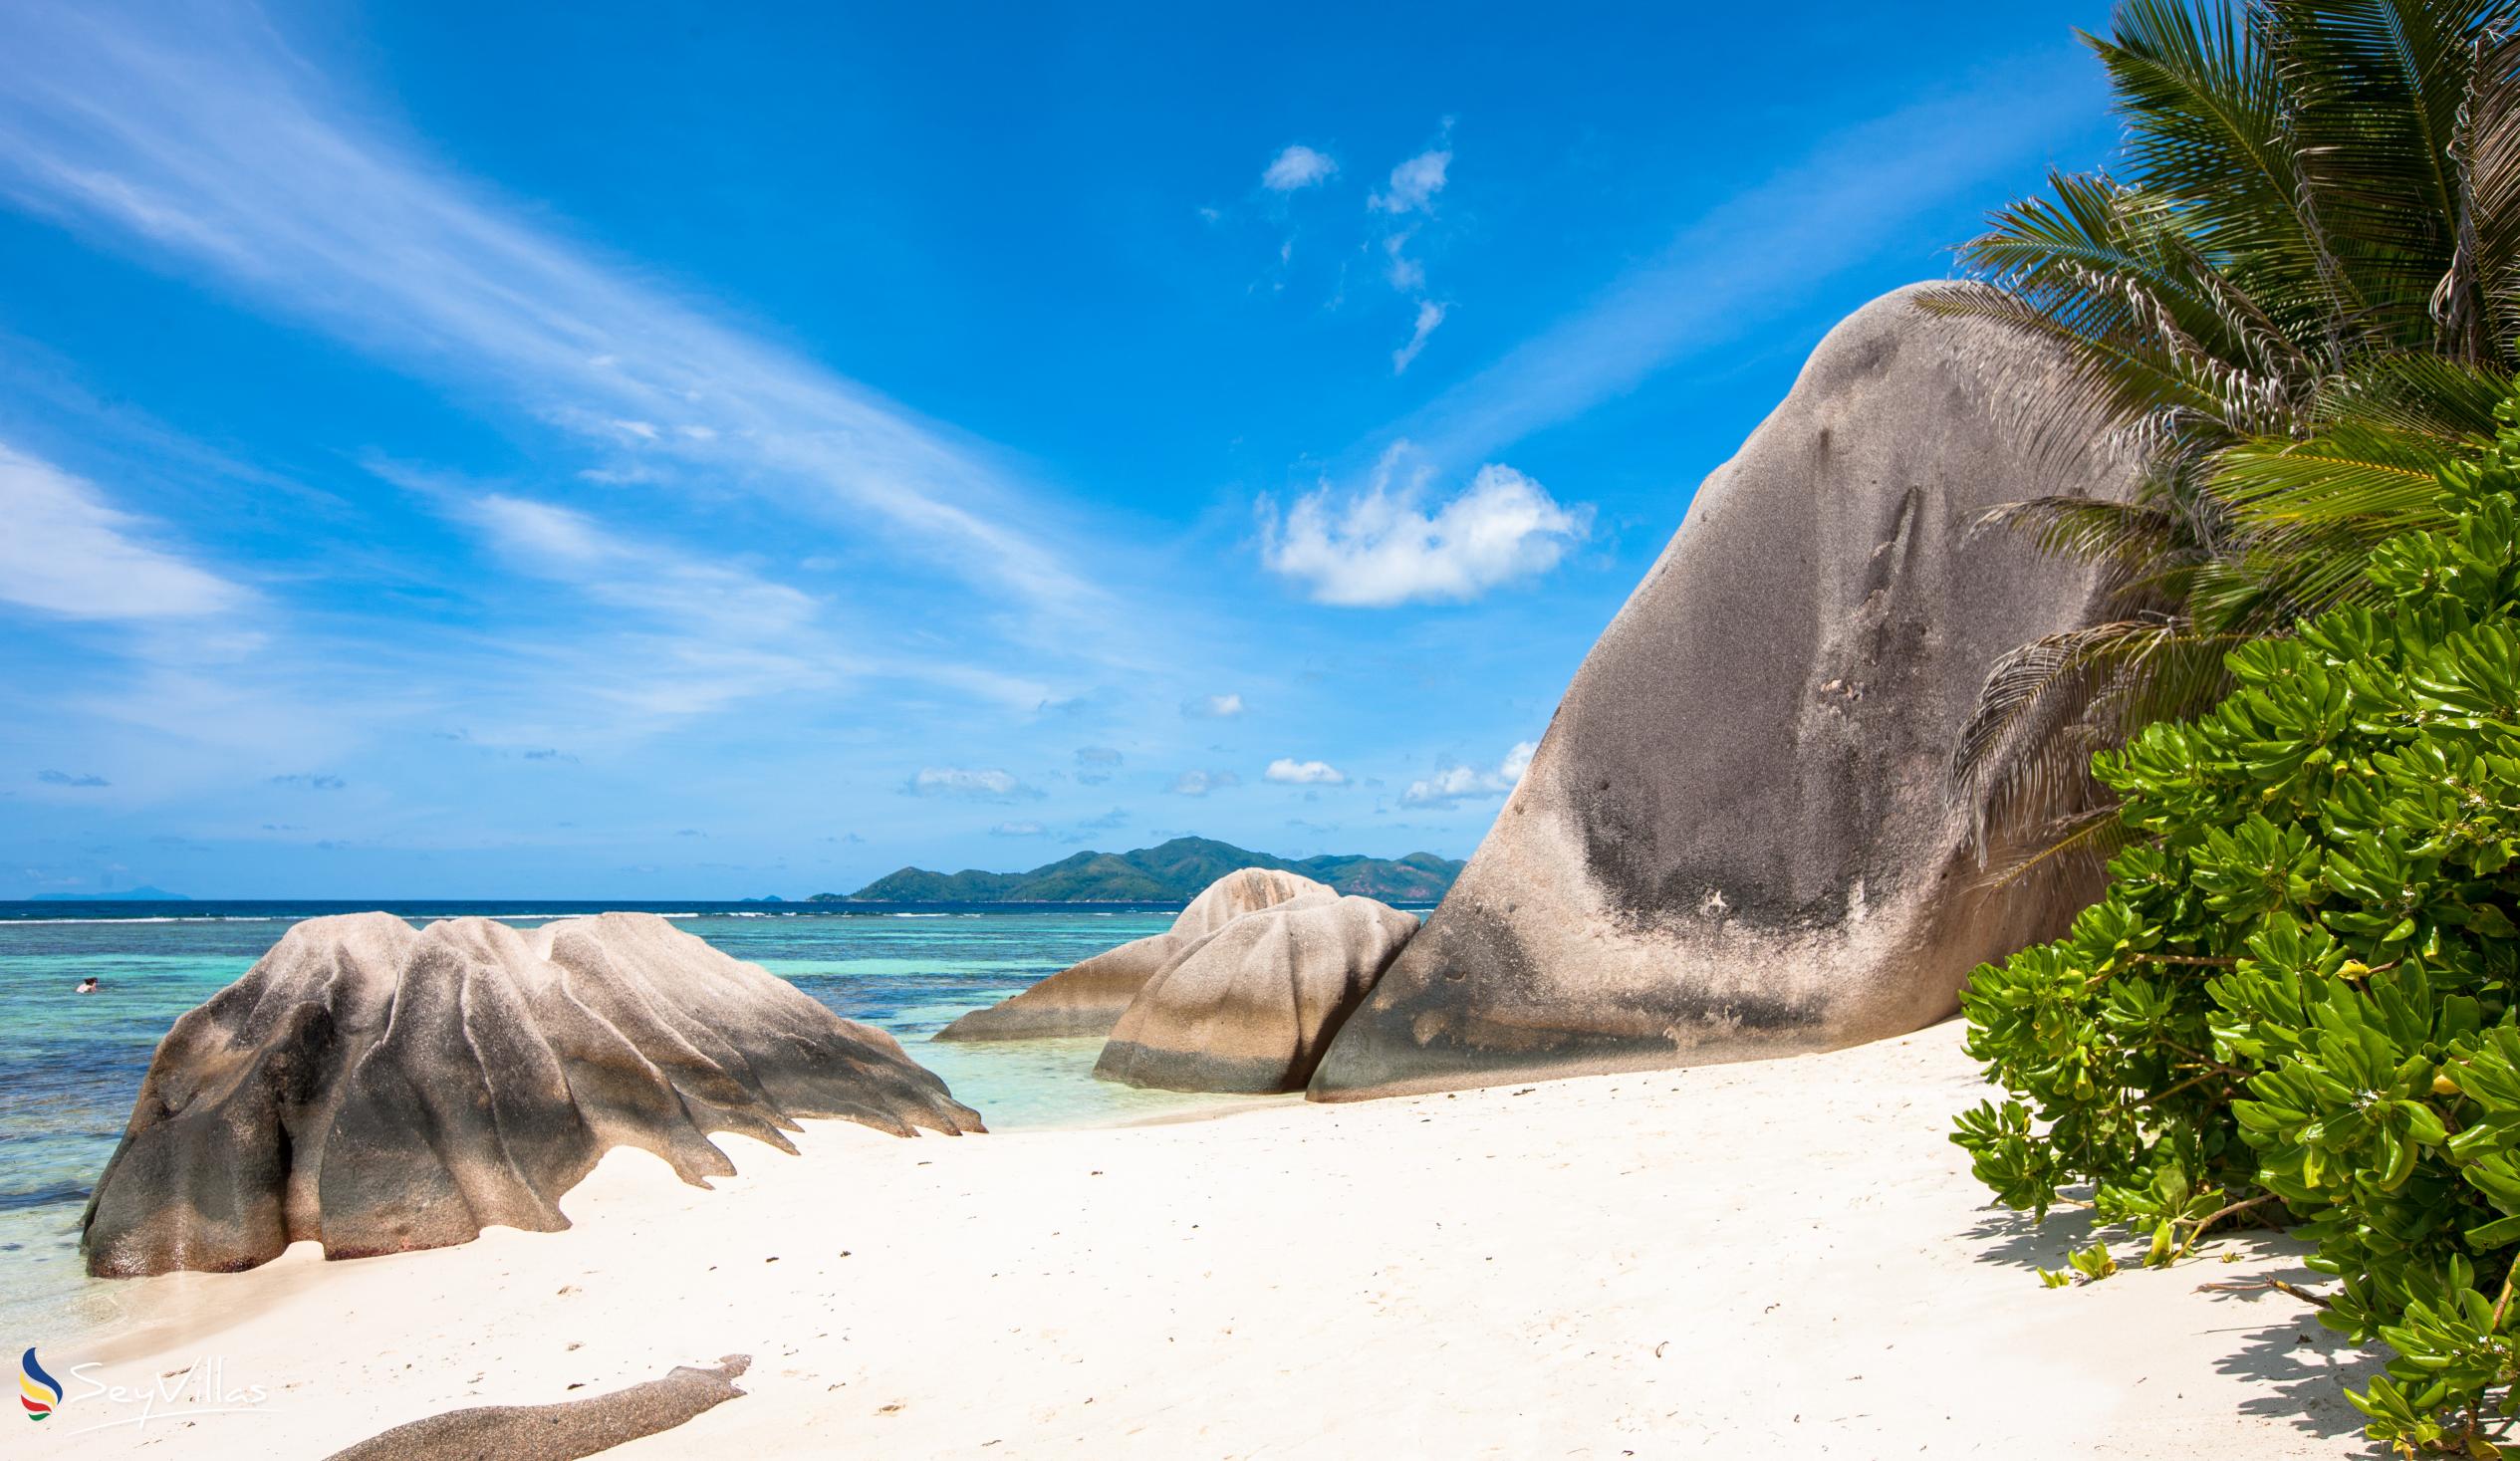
x=2024 y=758
x=2074 y=847
x=2379 y=88
x=2295 y=297
x=2210 y=123
x=2490 y=150
x=2129 y=536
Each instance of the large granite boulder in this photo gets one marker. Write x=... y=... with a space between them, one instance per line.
x=1736 y=840
x=379 y=1088
x=1088 y=998
x=1252 y=1007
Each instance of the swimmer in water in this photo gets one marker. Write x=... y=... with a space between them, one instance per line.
x=87 y=985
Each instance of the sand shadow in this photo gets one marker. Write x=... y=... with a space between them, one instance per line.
x=2016 y=1240
x=2300 y=1368
x=2303 y=1366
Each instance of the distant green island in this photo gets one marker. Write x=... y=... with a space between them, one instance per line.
x=141 y=895
x=1174 y=872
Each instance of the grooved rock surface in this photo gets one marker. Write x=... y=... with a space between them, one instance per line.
x=1089 y=998
x=379 y=1088
x=1735 y=840
x=564 y=1431
x=1252 y=1007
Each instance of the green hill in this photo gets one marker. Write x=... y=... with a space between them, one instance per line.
x=1175 y=872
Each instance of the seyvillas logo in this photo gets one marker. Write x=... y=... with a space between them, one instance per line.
x=199 y=1389
x=37 y=1391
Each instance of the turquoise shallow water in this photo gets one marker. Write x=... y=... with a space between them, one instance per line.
x=69 y=1065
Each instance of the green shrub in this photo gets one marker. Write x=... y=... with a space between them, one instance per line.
x=2297 y=1002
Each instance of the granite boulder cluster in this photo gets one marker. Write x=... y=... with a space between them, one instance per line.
x=1243 y=993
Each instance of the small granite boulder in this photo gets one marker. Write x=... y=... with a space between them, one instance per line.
x=1251 y=1008
x=379 y=1088
x=1088 y=998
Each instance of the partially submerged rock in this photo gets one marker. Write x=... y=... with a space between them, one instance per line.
x=1251 y=1008
x=1735 y=840
x=1089 y=998
x=378 y=1088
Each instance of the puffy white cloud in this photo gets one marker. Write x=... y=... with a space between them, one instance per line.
x=1298 y=166
x=1454 y=784
x=970 y=784
x=1212 y=707
x=65 y=551
x=1384 y=547
x=1429 y=315
x=1200 y=783
x=1416 y=182
x=1448 y=786
x=1306 y=773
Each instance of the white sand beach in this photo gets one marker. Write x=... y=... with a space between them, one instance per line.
x=1776 y=1259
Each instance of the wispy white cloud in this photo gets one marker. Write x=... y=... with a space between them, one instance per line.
x=221 y=149
x=1454 y=784
x=697 y=594
x=1016 y=829
x=670 y=633
x=64 y=550
x=1405 y=274
x=1291 y=771
x=1409 y=201
x=1298 y=167
x=1200 y=783
x=985 y=784
x=1429 y=315
x=1384 y=547
x=1212 y=707
x=1763 y=249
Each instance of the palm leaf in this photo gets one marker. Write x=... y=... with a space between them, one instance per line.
x=2295 y=297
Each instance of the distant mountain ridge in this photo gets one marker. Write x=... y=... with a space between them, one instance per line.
x=1174 y=872
x=141 y=894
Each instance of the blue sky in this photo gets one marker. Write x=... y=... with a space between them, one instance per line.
x=647 y=451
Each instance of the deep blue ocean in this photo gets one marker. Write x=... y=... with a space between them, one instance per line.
x=69 y=1065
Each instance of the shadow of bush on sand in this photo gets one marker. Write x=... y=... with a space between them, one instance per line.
x=2299 y=1369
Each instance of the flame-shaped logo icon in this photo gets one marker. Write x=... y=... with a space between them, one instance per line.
x=37 y=1391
